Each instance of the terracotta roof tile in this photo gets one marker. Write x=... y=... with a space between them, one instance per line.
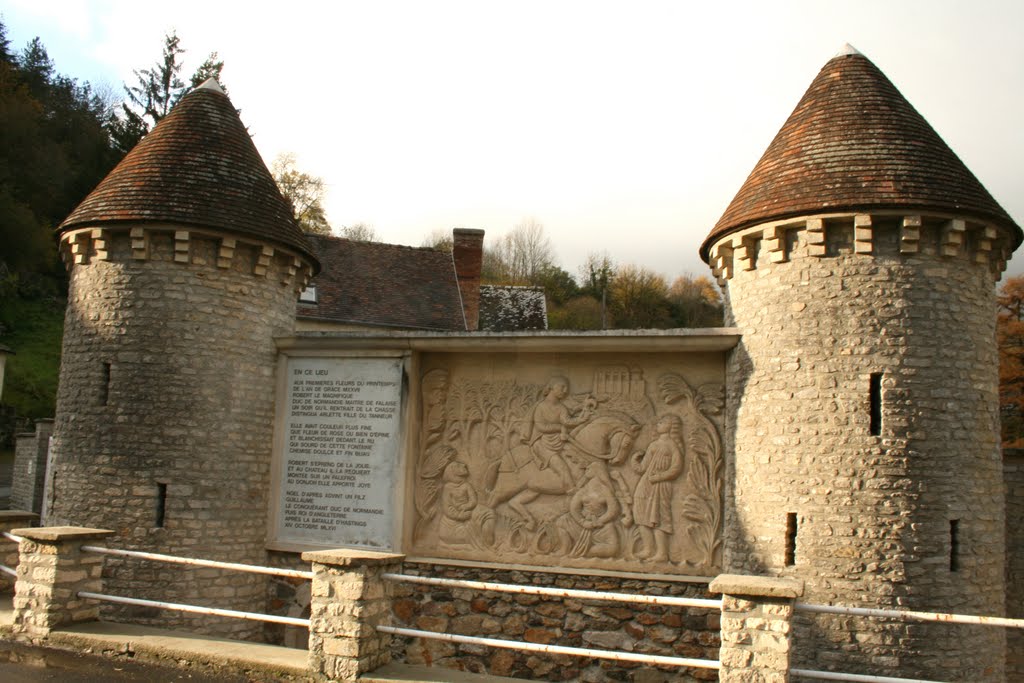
x=855 y=143
x=197 y=167
x=384 y=285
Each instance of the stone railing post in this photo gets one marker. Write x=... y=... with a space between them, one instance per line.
x=52 y=569
x=756 y=615
x=9 y=521
x=349 y=600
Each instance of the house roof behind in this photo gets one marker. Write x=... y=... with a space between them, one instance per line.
x=197 y=167
x=508 y=308
x=386 y=285
x=855 y=143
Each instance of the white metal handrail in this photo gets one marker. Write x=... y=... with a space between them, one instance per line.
x=173 y=559
x=856 y=678
x=664 y=600
x=252 y=616
x=913 y=615
x=3 y=567
x=660 y=660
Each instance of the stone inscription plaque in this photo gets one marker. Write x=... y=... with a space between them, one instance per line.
x=341 y=436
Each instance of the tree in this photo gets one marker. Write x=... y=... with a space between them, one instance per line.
x=695 y=302
x=580 y=313
x=637 y=299
x=54 y=148
x=439 y=239
x=305 y=192
x=559 y=286
x=359 y=232
x=520 y=256
x=596 y=274
x=156 y=91
x=1010 y=339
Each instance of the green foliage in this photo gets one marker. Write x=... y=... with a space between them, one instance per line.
x=580 y=313
x=596 y=274
x=54 y=148
x=32 y=326
x=559 y=285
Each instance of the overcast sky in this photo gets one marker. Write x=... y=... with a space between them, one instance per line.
x=624 y=126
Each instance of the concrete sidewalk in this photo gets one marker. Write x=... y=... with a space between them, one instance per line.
x=256 y=661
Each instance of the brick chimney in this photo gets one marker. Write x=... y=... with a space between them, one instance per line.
x=468 y=256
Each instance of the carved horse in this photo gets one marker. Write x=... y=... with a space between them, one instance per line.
x=519 y=480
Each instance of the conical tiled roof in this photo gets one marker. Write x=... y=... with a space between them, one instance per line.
x=198 y=167
x=854 y=143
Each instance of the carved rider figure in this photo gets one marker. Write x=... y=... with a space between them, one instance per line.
x=549 y=428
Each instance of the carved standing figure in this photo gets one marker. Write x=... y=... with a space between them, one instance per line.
x=659 y=466
x=549 y=428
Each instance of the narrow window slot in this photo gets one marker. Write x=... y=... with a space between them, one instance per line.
x=954 y=545
x=875 y=392
x=791 y=529
x=161 y=504
x=105 y=384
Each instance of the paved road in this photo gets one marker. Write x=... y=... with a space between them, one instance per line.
x=25 y=664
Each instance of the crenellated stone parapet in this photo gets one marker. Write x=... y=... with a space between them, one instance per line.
x=187 y=246
x=882 y=234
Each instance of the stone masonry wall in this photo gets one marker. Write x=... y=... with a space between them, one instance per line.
x=680 y=632
x=912 y=517
x=30 y=468
x=1013 y=471
x=165 y=412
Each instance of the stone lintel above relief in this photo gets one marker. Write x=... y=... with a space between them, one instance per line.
x=607 y=466
x=691 y=340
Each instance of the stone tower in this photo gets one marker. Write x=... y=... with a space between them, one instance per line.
x=185 y=263
x=859 y=260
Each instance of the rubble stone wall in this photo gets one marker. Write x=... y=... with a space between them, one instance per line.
x=911 y=517
x=165 y=412
x=1013 y=469
x=30 y=468
x=672 y=631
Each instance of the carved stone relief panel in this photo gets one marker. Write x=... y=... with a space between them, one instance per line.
x=595 y=460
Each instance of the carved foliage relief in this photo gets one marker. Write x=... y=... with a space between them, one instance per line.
x=617 y=467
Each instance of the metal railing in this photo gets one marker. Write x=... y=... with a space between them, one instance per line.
x=908 y=615
x=615 y=655
x=10 y=571
x=197 y=562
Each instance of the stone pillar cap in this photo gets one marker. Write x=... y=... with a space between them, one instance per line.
x=757 y=586
x=349 y=557
x=61 y=533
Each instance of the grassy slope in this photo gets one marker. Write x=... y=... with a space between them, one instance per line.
x=33 y=329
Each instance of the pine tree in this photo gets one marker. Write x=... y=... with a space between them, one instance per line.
x=156 y=91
